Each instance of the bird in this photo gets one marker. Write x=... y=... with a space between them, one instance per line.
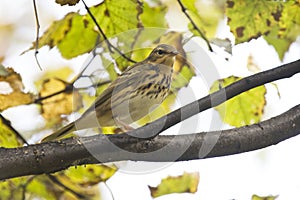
x=130 y=97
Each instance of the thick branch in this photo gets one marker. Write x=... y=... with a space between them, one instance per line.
x=216 y=98
x=55 y=156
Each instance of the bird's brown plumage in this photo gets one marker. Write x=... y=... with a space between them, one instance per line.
x=131 y=96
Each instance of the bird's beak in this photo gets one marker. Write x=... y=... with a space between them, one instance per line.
x=175 y=52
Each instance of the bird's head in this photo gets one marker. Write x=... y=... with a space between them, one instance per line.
x=163 y=54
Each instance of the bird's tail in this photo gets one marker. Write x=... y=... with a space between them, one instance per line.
x=60 y=132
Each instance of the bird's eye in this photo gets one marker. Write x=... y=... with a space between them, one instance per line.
x=160 y=52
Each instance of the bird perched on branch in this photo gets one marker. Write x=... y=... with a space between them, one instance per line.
x=133 y=95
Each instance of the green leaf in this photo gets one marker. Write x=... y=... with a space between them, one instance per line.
x=256 y=197
x=80 y=39
x=252 y=18
x=39 y=187
x=67 y=2
x=84 y=179
x=277 y=21
x=8 y=137
x=31 y=187
x=88 y=175
x=131 y=43
x=244 y=109
x=117 y=16
x=11 y=189
x=285 y=34
x=76 y=34
x=154 y=16
x=281 y=45
x=186 y=183
x=206 y=17
x=82 y=182
x=56 y=32
x=289 y=23
x=73 y=35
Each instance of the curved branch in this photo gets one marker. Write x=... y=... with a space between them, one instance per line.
x=55 y=156
x=216 y=98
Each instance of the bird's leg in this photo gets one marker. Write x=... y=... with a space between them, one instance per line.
x=123 y=126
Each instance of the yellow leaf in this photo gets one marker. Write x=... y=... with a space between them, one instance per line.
x=186 y=183
x=11 y=90
x=59 y=104
x=8 y=137
x=12 y=188
x=90 y=174
x=244 y=109
x=43 y=188
x=77 y=34
x=205 y=16
x=246 y=23
x=256 y=197
x=65 y=2
x=277 y=21
x=84 y=179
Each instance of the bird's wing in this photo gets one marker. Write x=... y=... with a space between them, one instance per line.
x=127 y=79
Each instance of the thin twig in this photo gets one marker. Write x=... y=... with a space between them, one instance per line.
x=24 y=186
x=184 y=10
x=66 y=188
x=70 y=88
x=109 y=189
x=37 y=34
x=95 y=85
x=87 y=65
x=82 y=71
x=40 y=99
x=109 y=45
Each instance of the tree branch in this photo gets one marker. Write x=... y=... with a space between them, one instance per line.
x=54 y=156
x=216 y=98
